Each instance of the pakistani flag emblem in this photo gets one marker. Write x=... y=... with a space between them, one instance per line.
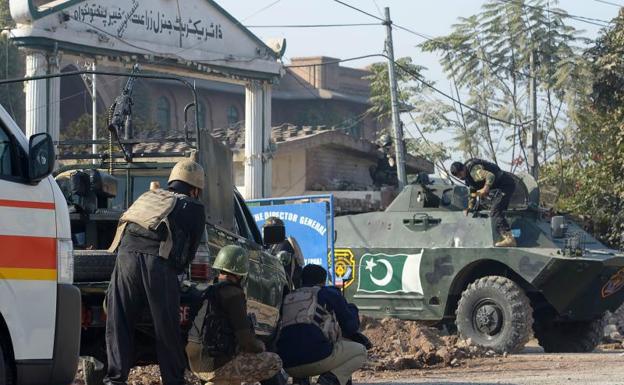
x=383 y=273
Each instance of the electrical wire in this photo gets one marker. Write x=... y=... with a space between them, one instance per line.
x=583 y=19
x=313 y=25
x=335 y=61
x=261 y=10
x=360 y=10
x=609 y=3
x=418 y=78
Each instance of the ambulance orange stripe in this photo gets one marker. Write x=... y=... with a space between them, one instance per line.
x=27 y=204
x=27 y=252
x=28 y=274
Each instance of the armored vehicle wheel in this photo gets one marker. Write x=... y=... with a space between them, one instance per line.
x=495 y=313
x=570 y=337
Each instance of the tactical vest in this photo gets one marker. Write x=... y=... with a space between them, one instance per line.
x=487 y=166
x=211 y=331
x=149 y=211
x=302 y=307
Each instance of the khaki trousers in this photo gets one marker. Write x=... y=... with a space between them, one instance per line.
x=346 y=358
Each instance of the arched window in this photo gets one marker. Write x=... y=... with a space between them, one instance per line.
x=201 y=111
x=232 y=116
x=163 y=113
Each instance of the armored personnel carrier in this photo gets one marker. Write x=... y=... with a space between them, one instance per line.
x=424 y=259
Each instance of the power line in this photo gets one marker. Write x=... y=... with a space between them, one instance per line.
x=583 y=19
x=335 y=61
x=378 y=9
x=609 y=3
x=446 y=95
x=360 y=10
x=312 y=25
x=261 y=10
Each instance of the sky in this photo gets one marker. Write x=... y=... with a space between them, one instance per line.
x=430 y=18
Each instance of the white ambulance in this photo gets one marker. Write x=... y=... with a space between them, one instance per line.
x=39 y=306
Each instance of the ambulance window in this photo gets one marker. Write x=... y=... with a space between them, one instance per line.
x=9 y=159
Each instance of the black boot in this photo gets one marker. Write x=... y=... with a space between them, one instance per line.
x=328 y=378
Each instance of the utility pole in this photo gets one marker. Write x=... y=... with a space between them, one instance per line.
x=532 y=138
x=94 y=147
x=399 y=146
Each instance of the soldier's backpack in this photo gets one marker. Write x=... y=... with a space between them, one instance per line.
x=302 y=307
x=211 y=331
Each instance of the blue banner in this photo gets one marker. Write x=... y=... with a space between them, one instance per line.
x=306 y=222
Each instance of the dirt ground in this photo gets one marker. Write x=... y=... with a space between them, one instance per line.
x=532 y=367
x=407 y=352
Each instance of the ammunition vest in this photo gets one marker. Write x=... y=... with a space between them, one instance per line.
x=149 y=211
x=211 y=332
x=302 y=307
x=487 y=166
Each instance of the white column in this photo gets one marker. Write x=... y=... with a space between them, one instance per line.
x=36 y=94
x=266 y=106
x=253 y=140
x=54 y=100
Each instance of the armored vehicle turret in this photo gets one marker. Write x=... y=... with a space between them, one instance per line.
x=426 y=259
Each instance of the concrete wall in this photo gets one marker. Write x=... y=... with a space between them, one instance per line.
x=289 y=173
x=331 y=168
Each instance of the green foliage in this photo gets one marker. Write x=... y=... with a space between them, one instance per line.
x=487 y=56
x=381 y=105
x=592 y=174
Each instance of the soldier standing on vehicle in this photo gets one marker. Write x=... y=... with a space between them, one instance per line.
x=222 y=347
x=316 y=320
x=295 y=261
x=482 y=176
x=157 y=238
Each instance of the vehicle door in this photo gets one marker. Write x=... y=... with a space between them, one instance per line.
x=262 y=292
x=28 y=257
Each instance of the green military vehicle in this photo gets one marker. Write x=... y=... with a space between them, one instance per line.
x=424 y=259
x=97 y=195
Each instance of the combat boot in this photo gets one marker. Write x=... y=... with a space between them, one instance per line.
x=507 y=241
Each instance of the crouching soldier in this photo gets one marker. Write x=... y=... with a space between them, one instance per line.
x=293 y=264
x=222 y=347
x=316 y=322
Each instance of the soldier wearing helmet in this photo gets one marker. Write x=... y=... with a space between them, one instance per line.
x=222 y=347
x=287 y=248
x=156 y=239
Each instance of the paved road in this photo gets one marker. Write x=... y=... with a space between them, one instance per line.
x=529 y=368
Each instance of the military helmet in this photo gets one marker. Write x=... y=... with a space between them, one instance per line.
x=188 y=171
x=273 y=221
x=232 y=259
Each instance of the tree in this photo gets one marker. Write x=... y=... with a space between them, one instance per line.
x=487 y=57
x=593 y=171
x=412 y=96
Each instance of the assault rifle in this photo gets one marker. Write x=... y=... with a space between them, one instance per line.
x=482 y=201
x=120 y=114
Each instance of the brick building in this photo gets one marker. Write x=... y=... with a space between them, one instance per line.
x=324 y=93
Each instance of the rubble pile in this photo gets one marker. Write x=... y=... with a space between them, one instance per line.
x=140 y=375
x=613 y=338
x=400 y=345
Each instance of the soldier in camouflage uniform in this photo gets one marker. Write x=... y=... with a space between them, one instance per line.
x=222 y=347
x=156 y=239
x=482 y=176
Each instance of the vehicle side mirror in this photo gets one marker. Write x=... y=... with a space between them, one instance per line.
x=40 y=157
x=273 y=234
